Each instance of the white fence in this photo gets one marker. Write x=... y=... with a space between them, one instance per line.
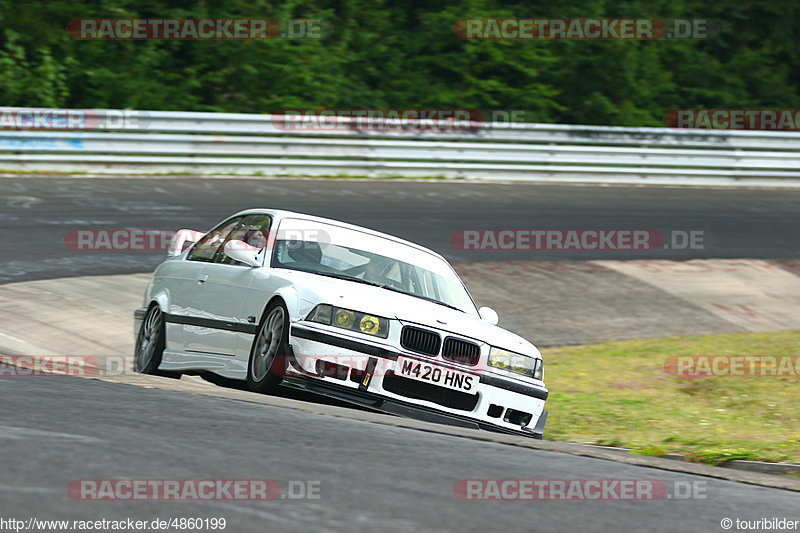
x=157 y=142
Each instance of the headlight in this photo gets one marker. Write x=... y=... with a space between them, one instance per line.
x=517 y=363
x=500 y=358
x=352 y=320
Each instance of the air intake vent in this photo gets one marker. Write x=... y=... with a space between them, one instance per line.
x=411 y=388
x=461 y=351
x=420 y=340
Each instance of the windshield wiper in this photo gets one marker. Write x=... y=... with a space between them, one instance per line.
x=387 y=287
x=346 y=277
x=434 y=300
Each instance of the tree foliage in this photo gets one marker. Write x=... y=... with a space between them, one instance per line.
x=389 y=54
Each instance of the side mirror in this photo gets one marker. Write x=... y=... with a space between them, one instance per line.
x=243 y=252
x=489 y=315
x=183 y=239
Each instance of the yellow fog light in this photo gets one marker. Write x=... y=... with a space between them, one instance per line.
x=499 y=358
x=513 y=362
x=350 y=320
x=369 y=324
x=344 y=318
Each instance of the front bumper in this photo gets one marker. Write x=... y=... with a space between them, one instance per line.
x=362 y=372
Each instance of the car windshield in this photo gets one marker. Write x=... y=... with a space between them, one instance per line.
x=340 y=252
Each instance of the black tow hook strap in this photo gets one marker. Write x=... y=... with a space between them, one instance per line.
x=368 y=374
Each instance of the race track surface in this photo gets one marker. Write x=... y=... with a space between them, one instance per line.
x=373 y=476
x=37 y=214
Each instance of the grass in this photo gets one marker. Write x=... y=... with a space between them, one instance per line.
x=258 y=173
x=619 y=394
x=57 y=172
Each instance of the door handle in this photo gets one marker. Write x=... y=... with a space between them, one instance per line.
x=202 y=279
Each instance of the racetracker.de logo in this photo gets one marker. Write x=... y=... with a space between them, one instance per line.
x=359 y=367
x=172 y=29
x=562 y=490
x=378 y=119
x=734 y=119
x=173 y=489
x=119 y=240
x=47 y=365
x=583 y=29
x=540 y=240
x=149 y=240
x=167 y=29
x=701 y=366
x=575 y=240
x=12 y=118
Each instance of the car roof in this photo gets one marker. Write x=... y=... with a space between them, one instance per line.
x=279 y=214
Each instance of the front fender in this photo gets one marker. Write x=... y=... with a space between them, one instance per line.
x=157 y=292
x=290 y=298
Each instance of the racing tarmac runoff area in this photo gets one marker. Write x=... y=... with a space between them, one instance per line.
x=374 y=472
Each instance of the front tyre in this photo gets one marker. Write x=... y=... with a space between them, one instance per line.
x=150 y=342
x=269 y=349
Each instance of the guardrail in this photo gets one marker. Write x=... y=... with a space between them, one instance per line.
x=159 y=142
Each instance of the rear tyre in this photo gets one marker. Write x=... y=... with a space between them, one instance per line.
x=150 y=342
x=269 y=350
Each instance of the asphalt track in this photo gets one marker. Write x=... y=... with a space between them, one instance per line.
x=37 y=213
x=373 y=477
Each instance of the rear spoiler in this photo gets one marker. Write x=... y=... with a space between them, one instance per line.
x=183 y=239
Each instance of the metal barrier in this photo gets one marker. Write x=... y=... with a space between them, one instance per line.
x=158 y=142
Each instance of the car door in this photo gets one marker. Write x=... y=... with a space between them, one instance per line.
x=223 y=289
x=184 y=282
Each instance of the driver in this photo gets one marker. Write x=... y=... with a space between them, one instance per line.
x=256 y=239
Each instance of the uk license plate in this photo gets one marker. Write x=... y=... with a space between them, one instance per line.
x=436 y=375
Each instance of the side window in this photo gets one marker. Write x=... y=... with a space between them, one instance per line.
x=253 y=230
x=206 y=248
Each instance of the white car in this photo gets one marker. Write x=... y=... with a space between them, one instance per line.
x=272 y=296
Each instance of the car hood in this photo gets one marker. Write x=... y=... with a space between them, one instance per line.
x=408 y=309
